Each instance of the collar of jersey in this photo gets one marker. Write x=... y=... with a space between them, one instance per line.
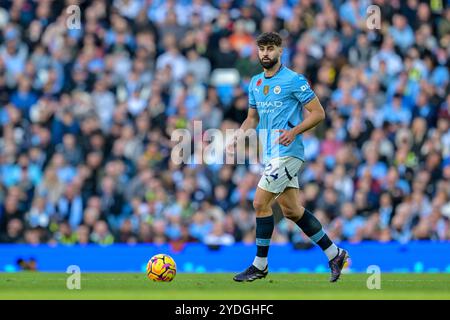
x=279 y=69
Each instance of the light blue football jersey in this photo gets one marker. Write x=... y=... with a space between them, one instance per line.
x=279 y=101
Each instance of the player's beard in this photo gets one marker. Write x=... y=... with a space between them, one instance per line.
x=268 y=64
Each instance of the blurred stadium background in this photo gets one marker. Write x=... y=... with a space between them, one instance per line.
x=86 y=118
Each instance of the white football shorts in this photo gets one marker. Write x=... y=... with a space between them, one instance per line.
x=280 y=173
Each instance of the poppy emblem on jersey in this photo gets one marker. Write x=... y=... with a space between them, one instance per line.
x=266 y=90
x=277 y=90
x=259 y=82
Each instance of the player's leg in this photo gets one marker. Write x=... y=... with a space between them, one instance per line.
x=290 y=205
x=262 y=204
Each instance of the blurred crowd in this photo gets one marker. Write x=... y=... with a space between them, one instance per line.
x=87 y=115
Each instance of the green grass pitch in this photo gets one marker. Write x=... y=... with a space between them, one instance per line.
x=215 y=286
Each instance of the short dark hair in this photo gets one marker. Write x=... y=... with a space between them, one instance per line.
x=269 y=38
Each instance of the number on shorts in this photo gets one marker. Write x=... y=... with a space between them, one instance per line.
x=271 y=172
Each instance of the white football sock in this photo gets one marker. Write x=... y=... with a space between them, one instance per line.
x=332 y=252
x=260 y=263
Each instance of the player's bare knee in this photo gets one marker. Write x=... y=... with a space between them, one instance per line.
x=291 y=214
x=301 y=212
x=258 y=205
x=261 y=208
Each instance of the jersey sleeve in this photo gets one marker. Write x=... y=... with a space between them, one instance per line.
x=301 y=90
x=251 y=96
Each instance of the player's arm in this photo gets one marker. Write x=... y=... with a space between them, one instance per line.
x=316 y=115
x=308 y=99
x=251 y=122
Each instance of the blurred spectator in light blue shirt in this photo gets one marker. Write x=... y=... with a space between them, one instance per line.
x=402 y=223
x=129 y=8
x=401 y=32
x=351 y=222
x=394 y=112
x=278 y=8
x=40 y=212
x=173 y=228
x=65 y=172
x=311 y=144
x=201 y=226
x=14 y=54
x=218 y=237
x=23 y=98
x=372 y=164
x=353 y=11
x=23 y=170
x=425 y=110
x=70 y=206
x=393 y=62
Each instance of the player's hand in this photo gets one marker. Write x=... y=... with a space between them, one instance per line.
x=230 y=147
x=286 y=137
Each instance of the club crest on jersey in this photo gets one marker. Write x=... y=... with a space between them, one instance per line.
x=277 y=90
x=266 y=90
